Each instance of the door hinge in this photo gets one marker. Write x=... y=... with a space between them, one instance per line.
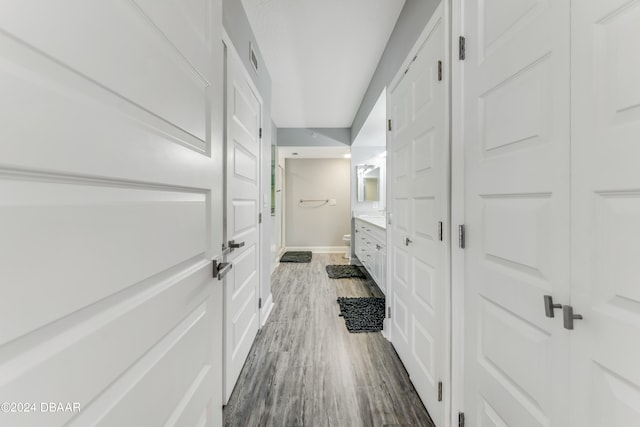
x=460 y=419
x=259 y=302
x=389 y=312
x=440 y=391
x=439 y=71
x=462 y=52
x=389 y=125
x=461 y=236
x=260 y=218
x=260 y=133
x=441 y=231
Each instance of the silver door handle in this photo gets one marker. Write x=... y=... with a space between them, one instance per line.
x=407 y=241
x=549 y=306
x=223 y=268
x=569 y=317
x=233 y=245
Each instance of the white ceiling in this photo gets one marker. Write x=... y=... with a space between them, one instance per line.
x=321 y=55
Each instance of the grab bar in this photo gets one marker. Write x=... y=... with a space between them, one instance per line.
x=323 y=200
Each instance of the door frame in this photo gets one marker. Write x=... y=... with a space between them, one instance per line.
x=457 y=208
x=449 y=311
x=229 y=49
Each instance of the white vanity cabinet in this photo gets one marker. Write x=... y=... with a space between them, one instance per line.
x=370 y=248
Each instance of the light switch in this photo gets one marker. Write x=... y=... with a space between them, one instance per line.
x=332 y=202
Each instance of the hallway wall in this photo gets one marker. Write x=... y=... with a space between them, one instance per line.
x=413 y=18
x=276 y=218
x=314 y=137
x=317 y=225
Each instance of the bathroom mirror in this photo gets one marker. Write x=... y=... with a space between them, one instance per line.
x=368 y=182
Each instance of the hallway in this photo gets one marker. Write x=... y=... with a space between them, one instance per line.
x=305 y=369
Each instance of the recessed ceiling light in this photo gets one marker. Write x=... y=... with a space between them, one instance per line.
x=347 y=156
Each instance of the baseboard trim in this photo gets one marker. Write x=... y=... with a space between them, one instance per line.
x=276 y=261
x=266 y=309
x=320 y=249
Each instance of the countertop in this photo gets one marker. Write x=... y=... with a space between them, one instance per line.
x=378 y=221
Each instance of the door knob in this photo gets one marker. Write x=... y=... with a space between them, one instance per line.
x=569 y=317
x=549 y=306
x=233 y=245
x=407 y=241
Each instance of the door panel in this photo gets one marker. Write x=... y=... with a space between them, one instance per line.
x=606 y=213
x=146 y=44
x=418 y=158
x=242 y=182
x=106 y=201
x=516 y=139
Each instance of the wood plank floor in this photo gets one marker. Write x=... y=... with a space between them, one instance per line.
x=306 y=369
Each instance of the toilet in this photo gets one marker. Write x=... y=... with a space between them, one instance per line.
x=347 y=238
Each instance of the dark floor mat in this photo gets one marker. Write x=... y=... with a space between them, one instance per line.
x=345 y=272
x=362 y=314
x=296 y=257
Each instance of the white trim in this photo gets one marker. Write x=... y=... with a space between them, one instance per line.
x=265 y=311
x=449 y=420
x=319 y=249
x=457 y=213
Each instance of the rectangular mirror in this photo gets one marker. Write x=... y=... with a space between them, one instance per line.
x=368 y=182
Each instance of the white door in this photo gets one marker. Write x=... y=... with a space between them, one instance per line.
x=418 y=199
x=241 y=287
x=605 y=345
x=107 y=213
x=516 y=141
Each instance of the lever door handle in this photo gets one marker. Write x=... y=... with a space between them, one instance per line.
x=407 y=241
x=569 y=317
x=222 y=269
x=549 y=306
x=233 y=245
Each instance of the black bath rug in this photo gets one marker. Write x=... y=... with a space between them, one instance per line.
x=362 y=314
x=344 y=272
x=296 y=257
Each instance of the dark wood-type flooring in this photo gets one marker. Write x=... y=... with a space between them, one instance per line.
x=306 y=369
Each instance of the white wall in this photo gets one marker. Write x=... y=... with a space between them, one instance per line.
x=276 y=219
x=317 y=225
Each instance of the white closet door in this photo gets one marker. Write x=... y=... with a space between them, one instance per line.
x=605 y=350
x=242 y=206
x=107 y=211
x=516 y=141
x=418 y=159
